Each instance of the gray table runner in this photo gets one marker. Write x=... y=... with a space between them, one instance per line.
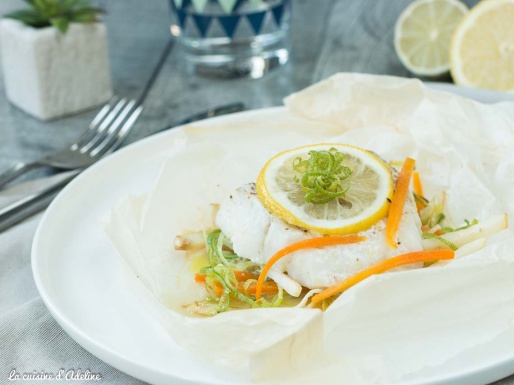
x=30 y=339
x=328 y=36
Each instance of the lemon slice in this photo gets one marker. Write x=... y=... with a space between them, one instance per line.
x=423 y=34
x=482 y=50
x=364 y=203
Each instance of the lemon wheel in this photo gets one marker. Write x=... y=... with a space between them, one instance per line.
x=365 y=201
x=423 y=34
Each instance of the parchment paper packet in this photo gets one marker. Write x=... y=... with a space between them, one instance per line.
x=383 y=329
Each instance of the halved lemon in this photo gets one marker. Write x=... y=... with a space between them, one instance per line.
x=423 y=34
x=482 y=50
x=364 y=203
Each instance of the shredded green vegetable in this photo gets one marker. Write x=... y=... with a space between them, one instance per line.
x=440 y=239
x=467 y=225
x=323 y=178
x=418 y=198
x=222 y=264
x=432 y=215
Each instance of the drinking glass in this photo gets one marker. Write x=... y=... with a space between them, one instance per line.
x=231 y=38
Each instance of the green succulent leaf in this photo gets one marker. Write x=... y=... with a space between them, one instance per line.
x=29 y=17
x=57 y=13
x=84 y=18
x=60 y=23
x=42 y=5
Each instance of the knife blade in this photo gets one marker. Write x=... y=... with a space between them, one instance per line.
x=211 y=113
x=37 y=201
x=32 y=203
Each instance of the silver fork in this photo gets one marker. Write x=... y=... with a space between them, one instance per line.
x=103 y=136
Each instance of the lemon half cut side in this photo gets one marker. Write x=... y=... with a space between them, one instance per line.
x=364 y=203
x=423 y=34
x=482 y=49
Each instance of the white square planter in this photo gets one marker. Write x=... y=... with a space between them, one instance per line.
x=49 y=74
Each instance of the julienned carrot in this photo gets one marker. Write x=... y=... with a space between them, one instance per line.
x=268 y=288
x=240 y=276
x=404 y=259
x=305 y=244
x=200 y=278
x=244 y=275
x=398 y=201
x=218 y=289
x=418 y=189
x=416 y=184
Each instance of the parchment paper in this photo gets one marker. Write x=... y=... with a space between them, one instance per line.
x=383 y=329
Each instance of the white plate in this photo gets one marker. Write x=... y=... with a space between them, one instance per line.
x=79 y=277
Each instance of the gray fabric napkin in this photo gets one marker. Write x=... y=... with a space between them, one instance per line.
x=30 y=339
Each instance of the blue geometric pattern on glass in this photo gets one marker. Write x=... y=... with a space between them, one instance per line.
x=203 y=23
x=278 y=12
x=256 y=20
x=182 y=19
x=238 y=5
x=264 y=16
x=229 y=24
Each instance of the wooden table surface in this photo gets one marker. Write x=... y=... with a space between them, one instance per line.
x=327 y=36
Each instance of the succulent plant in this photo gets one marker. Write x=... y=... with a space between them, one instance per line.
x=57 y=13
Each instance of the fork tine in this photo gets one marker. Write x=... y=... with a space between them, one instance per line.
x=99 y=133
x=115 y=140
x=127 y=127
x=86 y=135
x=116 y=126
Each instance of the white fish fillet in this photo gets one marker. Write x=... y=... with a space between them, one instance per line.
x=256 y=234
